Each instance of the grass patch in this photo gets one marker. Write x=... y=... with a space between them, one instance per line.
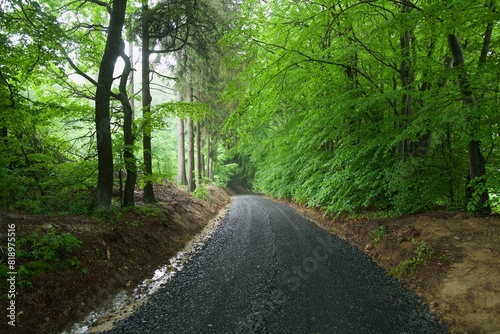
x=424 y=252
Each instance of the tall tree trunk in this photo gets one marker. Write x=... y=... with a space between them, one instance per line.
x=190 y=157
x=199 y=156
x=128 y=136
x=149 y=196
x=190 y=138
x=181 y=156
x=104 y=188
x=406 y=79
x=477 y=163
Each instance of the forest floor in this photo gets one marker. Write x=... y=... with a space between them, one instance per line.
x=117 y=253
x=460 y=282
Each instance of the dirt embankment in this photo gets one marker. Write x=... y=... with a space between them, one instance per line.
x=116 y=253
x=460 y=282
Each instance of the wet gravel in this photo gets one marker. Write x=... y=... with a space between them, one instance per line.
x=269 y=270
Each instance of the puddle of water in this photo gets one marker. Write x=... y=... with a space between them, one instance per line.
x=123 y=304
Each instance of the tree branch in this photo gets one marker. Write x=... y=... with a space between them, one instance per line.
x=80 y=72
x=164 y=76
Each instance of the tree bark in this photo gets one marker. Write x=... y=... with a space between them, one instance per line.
x=199 y=156
x=181 y=156
x=104 y=188
x=128 y=136
x=190 y=157
x=477 y=163
x=148 y=196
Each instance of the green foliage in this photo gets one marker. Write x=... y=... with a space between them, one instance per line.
x=196 y=111
x=424 y=252
x=146 y=211
x=444 y=258
x=202 y=192
x=377 y=234
x=46 y=251
x=326 y=115
x=479 y=186
x=225 y=173
x=41 y=188
x=50 y=247
x=23 y=277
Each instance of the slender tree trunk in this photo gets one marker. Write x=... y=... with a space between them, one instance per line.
x=207 y=160
x=406 y=78
x=132 y=78
x=104 y=188
x=181 y=157
x=190 y=157
x=213 y=161
x=190 y=139
x=199 y=156
x=477 y=163
x=202 y=150
x=128 y=136
x=149 y=196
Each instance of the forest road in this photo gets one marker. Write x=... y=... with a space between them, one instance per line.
x=269 y=270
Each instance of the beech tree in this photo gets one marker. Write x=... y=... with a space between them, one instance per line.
x=104 y=189
x=352 y=105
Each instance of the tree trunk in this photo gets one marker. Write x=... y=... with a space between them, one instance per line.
x=207 y=160
x=128 y=136
x=406 y=79
x=477 y=163
x=104 y=188
x=199 y=155
x=149 y=196
x=190 y=157
x=181 y=157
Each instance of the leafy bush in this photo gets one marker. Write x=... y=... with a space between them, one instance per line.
x=43 y=252
x=50 y=247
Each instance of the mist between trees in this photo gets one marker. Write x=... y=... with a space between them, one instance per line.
x=344 y=105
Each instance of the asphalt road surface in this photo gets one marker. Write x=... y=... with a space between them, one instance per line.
x=269 y=270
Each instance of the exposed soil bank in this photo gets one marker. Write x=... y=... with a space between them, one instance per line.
x=116 y=253
x=461 y=282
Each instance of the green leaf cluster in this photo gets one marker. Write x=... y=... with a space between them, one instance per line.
x=195 y=110
x=50 y=247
